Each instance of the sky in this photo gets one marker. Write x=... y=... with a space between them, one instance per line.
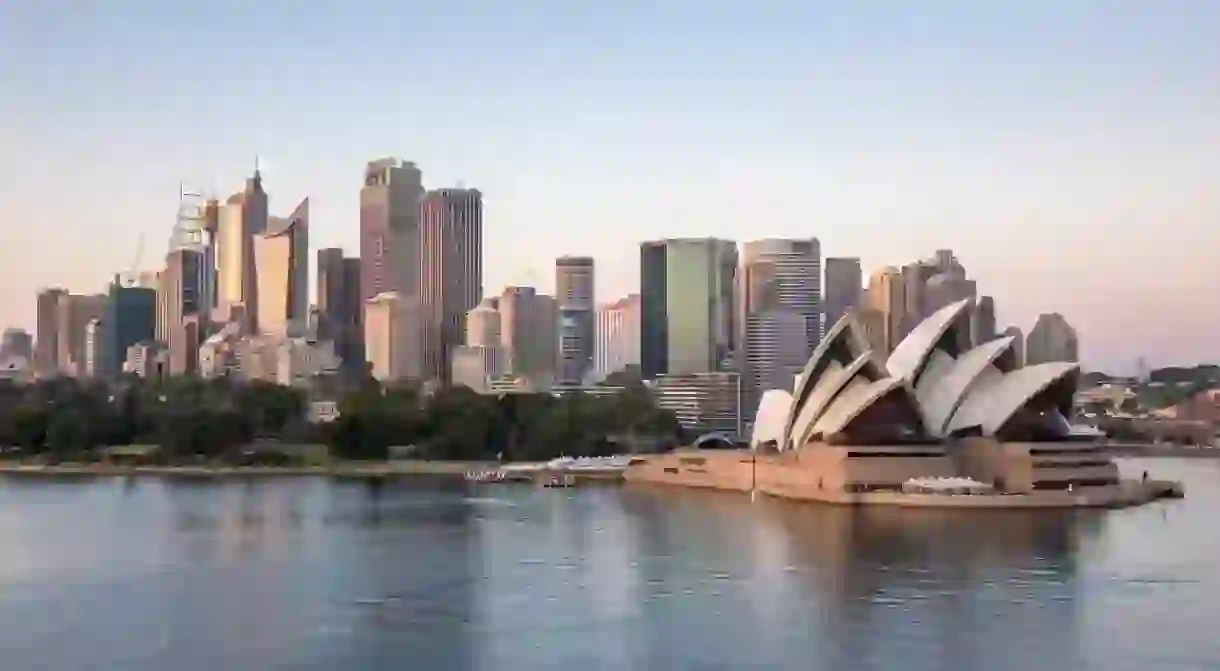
x=1068 y=151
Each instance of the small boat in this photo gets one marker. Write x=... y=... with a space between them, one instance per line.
x=562 y=480
x=485 y=477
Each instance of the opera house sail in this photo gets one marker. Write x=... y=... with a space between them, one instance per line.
x=859 y=428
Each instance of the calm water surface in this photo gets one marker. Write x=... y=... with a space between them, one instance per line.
x=306 y=574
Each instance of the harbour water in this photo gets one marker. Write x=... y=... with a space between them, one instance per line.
x=302 y=573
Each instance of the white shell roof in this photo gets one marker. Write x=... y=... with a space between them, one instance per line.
x=769 y=422
x=911 y=353
x=940 y=393
x=853 y=401
x=997 y=396
x=843 y=330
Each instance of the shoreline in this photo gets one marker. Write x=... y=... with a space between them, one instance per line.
x=343 y=470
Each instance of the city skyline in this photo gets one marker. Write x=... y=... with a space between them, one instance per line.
x=883 y=146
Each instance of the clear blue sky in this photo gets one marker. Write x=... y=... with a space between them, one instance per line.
x=1069 y=151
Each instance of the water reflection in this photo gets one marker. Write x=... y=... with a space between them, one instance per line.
x=308 y=573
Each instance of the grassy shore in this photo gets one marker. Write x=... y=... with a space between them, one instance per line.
x=335 y=470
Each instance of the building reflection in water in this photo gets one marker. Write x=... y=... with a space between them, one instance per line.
x=960 y=589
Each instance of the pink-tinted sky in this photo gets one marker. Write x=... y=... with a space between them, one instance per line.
x=1069 y=151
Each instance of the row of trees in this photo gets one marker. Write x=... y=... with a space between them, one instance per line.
x=193 y=418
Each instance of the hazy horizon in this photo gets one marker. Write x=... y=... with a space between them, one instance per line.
x=1066 y=151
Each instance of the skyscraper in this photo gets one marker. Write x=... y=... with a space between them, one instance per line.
x=618 y=335
x=886 y=294
x=574 y=282
x=390 y=228
x=340 y=307
x=784 y=275
x=243 y=216
x=392 y=337
x=843 y=289
x=180 y=307
x=75 y=311
x=1051 y=339
x=130 y=317
x=46 y=347
x=982 y=321
x=281 y=255
x=450 y=272
x=528 y=333
x=688 y=319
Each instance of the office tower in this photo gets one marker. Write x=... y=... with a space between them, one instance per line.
x=886 y=295
x=843 y=288
x=688 y=319
x=130 y=317
x=75 y=311
x=46 y=347
x=781 y=312
x=93 y=348
x=450 y=272
x=1018 y=343
x=575 y=303
x=211 y=227
x=281 y=260
x=915 y=277
x=17 y=343
x=340 y=307
x=946 y=288
x=390 y=203
x=528 y=334
x=483 y=324
x=476 y=366
x=784 y=275
x=393 y=340
x=1051 y=339
x=776 y=349
x=617 y=335
x=243 y=216
x=180 y=307
x=982 y=321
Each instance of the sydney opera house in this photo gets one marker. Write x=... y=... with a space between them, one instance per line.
x=941 y=421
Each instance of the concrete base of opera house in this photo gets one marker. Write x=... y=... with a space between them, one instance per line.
x=874 y=475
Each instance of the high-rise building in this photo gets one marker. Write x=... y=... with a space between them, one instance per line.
x=784 y=275
x=617 y=335
x=281 y=260
x=1051 y=339
x=390 y=203
x=46 y=348
x=528 y=334
x=886 y=295
x=17 y=343
x=74 y=314
x=483 y=324
x=687 y=313
x=93 y=348
x=393 y=337
x=243 y=216
x=130 y=317
x=781 y=311
x=340 y=307
x=181 y=307
x=776 y=349
x=982 y=321
x=844 y=287
x=574 y=282
x=451 y=272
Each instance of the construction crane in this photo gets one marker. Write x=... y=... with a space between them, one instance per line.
x=132 y=277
